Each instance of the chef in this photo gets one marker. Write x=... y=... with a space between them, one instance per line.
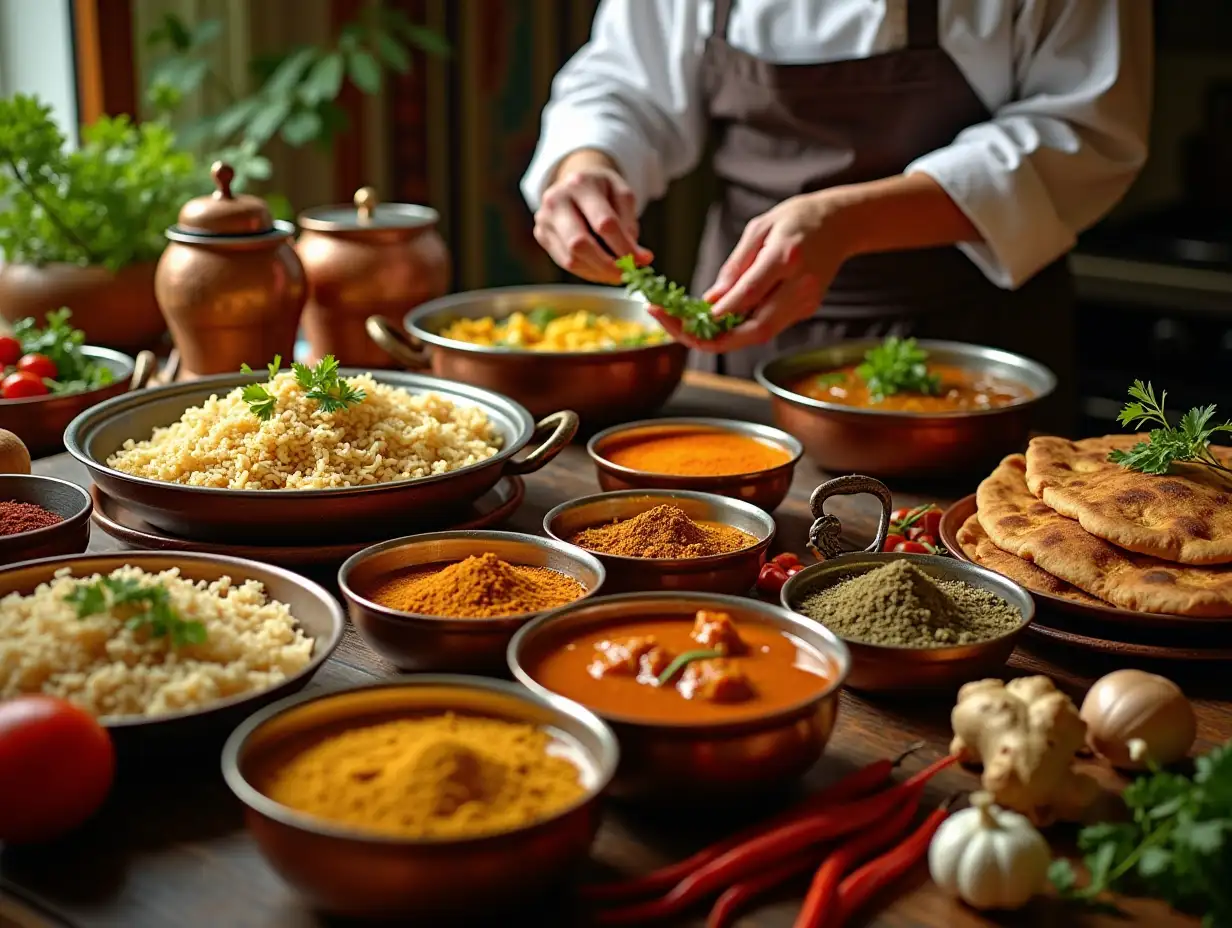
x=884 y=166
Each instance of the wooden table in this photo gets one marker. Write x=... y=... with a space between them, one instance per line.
x=174 y=853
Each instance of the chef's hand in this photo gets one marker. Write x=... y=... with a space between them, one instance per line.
x=588 y=202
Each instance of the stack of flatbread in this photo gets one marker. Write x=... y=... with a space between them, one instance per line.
x=1066 y=521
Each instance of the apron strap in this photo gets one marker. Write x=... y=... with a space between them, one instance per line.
x=722 y=16
x=922 y=29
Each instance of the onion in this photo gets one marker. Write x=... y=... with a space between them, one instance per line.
x=1136 y=719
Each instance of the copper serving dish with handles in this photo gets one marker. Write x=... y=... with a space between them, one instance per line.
x=363 y=513
x=601 y=386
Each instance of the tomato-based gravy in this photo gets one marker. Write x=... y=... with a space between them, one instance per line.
x=961 y=390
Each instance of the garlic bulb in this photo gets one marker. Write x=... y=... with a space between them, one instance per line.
x=989 y=857
x=1133 y=716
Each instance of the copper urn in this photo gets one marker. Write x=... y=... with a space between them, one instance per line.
x=230 y=284
x=369 y=259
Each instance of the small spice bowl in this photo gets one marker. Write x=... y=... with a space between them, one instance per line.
x=354 y=873
x=765 y=488
x=67 y=500
x=734 y=573
x=441 y=644
x=893 y=669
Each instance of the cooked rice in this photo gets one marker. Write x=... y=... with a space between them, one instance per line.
x=391 y=435
x=252 y=643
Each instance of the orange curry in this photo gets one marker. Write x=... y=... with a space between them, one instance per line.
x=693 y=452
x=961 y=389
x=681 y=670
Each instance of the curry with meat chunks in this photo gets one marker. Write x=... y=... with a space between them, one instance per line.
x=683 y=669
x=958 y=390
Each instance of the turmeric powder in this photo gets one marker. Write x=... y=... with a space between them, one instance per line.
x=445 y=776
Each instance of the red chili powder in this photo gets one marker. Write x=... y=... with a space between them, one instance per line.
x=16 y=518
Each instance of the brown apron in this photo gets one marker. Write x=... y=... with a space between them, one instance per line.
x=784 y=130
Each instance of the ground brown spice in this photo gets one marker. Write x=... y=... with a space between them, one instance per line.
x=663 y=532
x=480 y=587
x=16 y=517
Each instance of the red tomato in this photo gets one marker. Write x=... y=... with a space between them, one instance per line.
x=786 y=559
x=10 y=350
x=910 y=547
x=891 y=541
x=793 y=569
x=22 y=384
x=771 y=578
x=38 y=364
x=898 y=515
x=914 y=531
x=930 y=522
x=929 y=541
x=56 y=767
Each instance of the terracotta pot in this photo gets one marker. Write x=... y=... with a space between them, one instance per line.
x=116 y=309
x=369 y=259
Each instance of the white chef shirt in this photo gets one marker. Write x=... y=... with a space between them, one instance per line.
x=1068 y=83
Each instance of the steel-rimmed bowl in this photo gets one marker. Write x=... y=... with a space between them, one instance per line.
x=735 y=572
x=885 y=443
x=892 y=669
x=451 y=645
x=602 y=386
x=137 y=738
x=67 y=500
x=765 y=489
x=354 y=873
x=662 y=761
x=363 y=513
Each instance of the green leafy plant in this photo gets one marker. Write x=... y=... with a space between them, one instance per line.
x=106 y=203
x=149 y=605
x=62 y=343
x=673 y=299
x=1176 y=847
x=321 y=383
x=1188 y=442
x=897 y=365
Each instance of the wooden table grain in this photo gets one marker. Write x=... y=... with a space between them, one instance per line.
x=172 y=850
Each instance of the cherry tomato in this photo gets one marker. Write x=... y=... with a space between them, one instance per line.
x=786 y=559
x=898 y=515
x=38 y=364
x=22 y=384
x=10 y=350
x=891 y=541
x=56 y=767
x=793 y=569
x=912 y=532
x=927 y=540
x=910 y=547
x=930 y=522
x=771 y=578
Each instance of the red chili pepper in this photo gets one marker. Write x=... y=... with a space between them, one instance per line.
x=770 y=578
x=855 y=785
x=786 y=559
x=891 y=541
x=738 y=896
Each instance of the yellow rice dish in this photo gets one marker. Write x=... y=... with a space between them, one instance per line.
x=546 y=329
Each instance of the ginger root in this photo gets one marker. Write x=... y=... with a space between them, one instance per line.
x=1025 y=733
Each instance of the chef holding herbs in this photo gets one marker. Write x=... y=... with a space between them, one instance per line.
x=883 y=166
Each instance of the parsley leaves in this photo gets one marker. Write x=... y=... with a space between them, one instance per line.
x=1189 y=442
x=320 y=383
x=149 y=606
x=62 y=343
x=674 y=300
x=897 y=365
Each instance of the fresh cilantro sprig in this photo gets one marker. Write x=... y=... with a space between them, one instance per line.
x=320 y=383
x=674 y=300
x=540 y=316
x=897 y=365
x=1176 y=847
x=259 y=399
x=151 y=608
x=62 y=343
x=1189 y=442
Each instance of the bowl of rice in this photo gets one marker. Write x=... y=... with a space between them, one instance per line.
x=194 y=460
x=173 y=647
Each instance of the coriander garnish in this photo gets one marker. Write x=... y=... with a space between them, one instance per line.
x=152 y=609
x=897 y=365
x=831 y=379
x=1189 y=442
x=682 y=661
x=259 y=400
x=540 y=316
x=320 y=383
x=674 y=300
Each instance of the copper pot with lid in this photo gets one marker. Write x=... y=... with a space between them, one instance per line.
x=230 y=284
x=368 y=259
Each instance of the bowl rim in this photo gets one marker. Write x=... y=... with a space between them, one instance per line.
x=666 y=563
x=414 y=321
x=840 y=655
x=127 y=403
x=446 y=623
x=66 y=522
x=858 y=346
x=871 y=560
x=127 y=363
x=786 y=440
x=173 y=558
x=604 y=765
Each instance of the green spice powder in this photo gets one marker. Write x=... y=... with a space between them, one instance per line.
x=900 y=605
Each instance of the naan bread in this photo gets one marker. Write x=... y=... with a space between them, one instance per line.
x=979 y=547
x=1183 y=516
x=1020 y=524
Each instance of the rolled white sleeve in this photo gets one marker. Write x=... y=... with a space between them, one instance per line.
x=1057 y=157
x=631 y=92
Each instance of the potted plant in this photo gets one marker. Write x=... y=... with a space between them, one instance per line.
x=84 y=228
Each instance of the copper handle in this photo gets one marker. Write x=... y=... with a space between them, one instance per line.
x=144 y=369
x=365 y=203
x=824 y=534
x=564 y=426
x=223 y=175
x=396 y=343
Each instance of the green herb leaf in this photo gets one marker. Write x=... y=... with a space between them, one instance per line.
x=540 y=316
x=682 y=661
x=322 y=383
x=150 y=604
x=831 y=379
x=365 y=71
x=897 y=365
x=259 y=400
x=674 y=300
x=1189 y=442
x=59 y=341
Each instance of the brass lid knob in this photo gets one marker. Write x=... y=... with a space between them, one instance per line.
x=365 y=203
x=224 y=213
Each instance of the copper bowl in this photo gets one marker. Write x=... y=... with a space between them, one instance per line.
x=892 y=669
x=301 y=517
x=720 y=573
x=67 y=500
x=40 y=421
x=765 y=489
x=661 y=761
x=440 y=644
x=358 y=874
x=602 y=386
x=886 y=443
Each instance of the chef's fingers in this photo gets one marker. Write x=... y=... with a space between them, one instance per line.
x=579 y=253
x=600 y=214
x=754 y=285
x=546 y=236
x=790 y=301
x=739 y=261
x=671 y=325
x=625 y=203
